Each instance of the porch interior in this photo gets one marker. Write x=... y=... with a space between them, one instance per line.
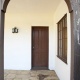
x=23 y=14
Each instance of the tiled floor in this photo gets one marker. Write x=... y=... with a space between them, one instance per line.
x=30 y=75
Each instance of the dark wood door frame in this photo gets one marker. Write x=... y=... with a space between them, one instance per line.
x=32 y=45
x=74 y=9
x=72 y=47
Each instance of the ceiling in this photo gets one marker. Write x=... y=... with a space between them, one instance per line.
x=33 y=6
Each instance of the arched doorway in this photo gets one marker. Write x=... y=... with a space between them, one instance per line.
x=2 y=28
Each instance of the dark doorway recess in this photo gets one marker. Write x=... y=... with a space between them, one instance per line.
x=40 y=47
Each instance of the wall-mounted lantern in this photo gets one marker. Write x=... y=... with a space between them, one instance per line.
x=14 y=30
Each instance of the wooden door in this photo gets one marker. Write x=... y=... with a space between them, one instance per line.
x=40 y=48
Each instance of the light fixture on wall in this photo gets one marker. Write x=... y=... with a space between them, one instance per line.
x=15 y=30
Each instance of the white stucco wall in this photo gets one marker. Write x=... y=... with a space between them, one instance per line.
x=17 y=47
x=62 y=69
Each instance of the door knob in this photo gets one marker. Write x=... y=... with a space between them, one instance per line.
x=33 y=47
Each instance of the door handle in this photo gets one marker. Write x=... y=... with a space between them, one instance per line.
x=78 y=36
x=33 y=47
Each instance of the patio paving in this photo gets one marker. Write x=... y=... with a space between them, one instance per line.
x=30 y=75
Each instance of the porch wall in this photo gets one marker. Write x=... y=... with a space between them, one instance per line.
x=62 y=69
x=17 y=46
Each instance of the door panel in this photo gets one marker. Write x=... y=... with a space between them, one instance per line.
x=39 y=47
